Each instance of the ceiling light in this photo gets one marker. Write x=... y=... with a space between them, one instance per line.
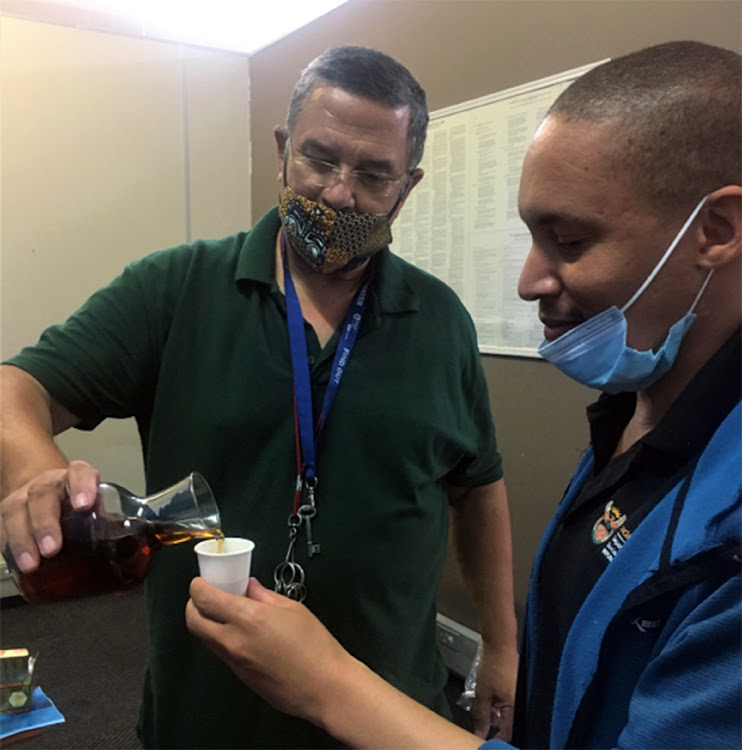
x=237 y=25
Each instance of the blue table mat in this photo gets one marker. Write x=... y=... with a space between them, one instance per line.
x=43 y=713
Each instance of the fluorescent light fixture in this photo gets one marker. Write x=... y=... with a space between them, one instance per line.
x=237 y=25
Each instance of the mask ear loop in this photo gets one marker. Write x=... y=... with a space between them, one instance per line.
x=701 y=290
x=402 y=191
x=285 y=162
x=664 y=258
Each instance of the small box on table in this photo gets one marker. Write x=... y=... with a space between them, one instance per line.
x=16 y=680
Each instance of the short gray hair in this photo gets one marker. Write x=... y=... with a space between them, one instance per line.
x=373 y=75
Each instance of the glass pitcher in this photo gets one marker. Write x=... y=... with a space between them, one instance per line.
x=110 y=547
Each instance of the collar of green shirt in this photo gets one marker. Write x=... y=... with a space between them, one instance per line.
x=391 y=290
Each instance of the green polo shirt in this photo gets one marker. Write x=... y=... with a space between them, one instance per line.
x=193 y=343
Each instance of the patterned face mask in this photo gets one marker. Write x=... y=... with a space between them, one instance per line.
x=330 y=240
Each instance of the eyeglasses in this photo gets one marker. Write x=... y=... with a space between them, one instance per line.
x=323 y=173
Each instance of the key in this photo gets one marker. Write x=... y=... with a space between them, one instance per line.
x=306 y=513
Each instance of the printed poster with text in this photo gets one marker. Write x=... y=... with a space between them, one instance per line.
x=461 y=222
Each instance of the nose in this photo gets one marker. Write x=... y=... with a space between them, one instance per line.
x=339 y=193
x=538 y=278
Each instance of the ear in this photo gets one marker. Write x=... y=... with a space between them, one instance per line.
x=721 y=227
x=282 y=138
x=415 y=177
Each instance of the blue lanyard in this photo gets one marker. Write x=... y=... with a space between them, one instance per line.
x=308 y=437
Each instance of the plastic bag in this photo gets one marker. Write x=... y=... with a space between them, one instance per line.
x=466 y=699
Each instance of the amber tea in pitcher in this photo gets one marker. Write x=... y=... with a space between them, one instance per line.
x=110 y=547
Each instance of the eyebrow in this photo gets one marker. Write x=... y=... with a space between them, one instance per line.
x=316 y=149
x=547 y=218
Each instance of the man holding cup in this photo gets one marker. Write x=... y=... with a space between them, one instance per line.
x=632 y=192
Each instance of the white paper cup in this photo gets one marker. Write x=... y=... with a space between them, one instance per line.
x=228 y=570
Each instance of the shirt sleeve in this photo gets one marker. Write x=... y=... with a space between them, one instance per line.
x=690 y=693
x=482 y=464
x=103 y=361
x=495 y=745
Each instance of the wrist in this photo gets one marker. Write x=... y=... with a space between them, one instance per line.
x=336 y=693
x=501 y=637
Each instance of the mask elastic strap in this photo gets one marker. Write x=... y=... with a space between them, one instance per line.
x=286 y=161
x=390 y=213
x=701 y=290
x=664 y=258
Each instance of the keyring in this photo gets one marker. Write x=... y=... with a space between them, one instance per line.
x=296 y=591
x=288 y=573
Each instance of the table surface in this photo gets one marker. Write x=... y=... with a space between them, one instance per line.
x=91 y=660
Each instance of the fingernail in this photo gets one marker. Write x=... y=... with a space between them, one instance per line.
x=25 y=562
x=47 y=545
x=79 y=500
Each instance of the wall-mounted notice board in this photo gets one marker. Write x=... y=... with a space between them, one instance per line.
x=461 y=222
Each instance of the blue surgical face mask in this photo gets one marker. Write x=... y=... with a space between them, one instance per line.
x=595 y=353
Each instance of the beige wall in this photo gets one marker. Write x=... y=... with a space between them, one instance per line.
x=460 y=50
x=112 y=147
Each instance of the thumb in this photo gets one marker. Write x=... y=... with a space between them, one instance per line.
x=205 y=594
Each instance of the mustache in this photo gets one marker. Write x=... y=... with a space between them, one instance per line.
x=549 y=310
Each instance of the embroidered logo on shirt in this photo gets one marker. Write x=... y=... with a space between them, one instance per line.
x=643 y=625
x=609 y=531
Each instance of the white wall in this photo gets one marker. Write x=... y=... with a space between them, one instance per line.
x=112 y=147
